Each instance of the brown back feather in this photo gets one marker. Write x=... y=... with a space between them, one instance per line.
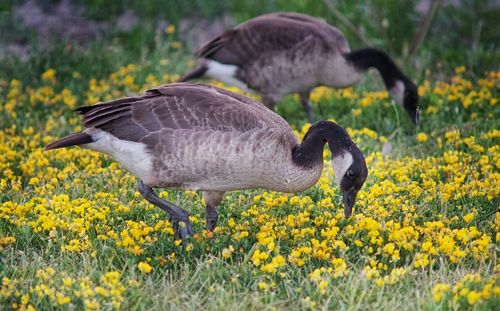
x=271 y=32
x=179 y=106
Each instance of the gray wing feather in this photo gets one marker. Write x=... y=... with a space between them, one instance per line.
x=271 y=32
x=179 y=106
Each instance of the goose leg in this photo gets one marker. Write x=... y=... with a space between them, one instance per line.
x=178 y=216
x=175 y=226
x=212 y=200
x=304 y=99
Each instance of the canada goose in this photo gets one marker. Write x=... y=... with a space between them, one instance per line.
x=200 y=137
x=282 y=53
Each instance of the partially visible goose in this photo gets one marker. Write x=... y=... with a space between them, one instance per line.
x=199 y=137
x=282 y=53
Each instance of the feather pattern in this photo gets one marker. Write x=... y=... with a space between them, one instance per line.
x=178 y=106
x=196 y=136
x=278 y=54
x=200 y=137
x=271 y=33
x=282 y=53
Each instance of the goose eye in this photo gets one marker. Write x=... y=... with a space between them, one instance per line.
x=350 y=174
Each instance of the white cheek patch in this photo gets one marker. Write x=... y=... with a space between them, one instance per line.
x=225 y=73
x=341 y=164
x=133 y=156
x=397 y=92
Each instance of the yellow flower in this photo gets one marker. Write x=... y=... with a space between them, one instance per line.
x=439 y=291
x=259 y=256
x=460 y=69
x=144 y=267
x=390 y=237
x=276 y=263
x=49 y=75
x=176 y=44
x=469 y=217
x=473 y=297
x=422 y=137
x=389 y=248
x=226 y=252
x=189 y=247
x=62 y=299
x=170 y=29
x=322 y=286
x=262 y=285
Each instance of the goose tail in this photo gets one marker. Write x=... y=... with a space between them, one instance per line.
x=74 y=139
x=198 y=72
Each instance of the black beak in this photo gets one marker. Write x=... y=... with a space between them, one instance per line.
x=410 y=104
x=415 y=118
x=349 y=197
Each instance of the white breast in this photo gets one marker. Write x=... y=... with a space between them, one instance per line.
x=397 y=92
x=132 y=155
x=225 y=73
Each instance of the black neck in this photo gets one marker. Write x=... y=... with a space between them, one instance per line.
x=367 y=58
x=310 y=152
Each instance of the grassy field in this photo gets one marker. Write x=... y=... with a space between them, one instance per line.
x=75 y=233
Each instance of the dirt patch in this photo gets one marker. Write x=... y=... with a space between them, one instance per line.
x=63 y=21
x=43 y=23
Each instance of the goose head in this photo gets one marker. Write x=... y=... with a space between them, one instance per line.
x=348 y=162
x=405 y=93
x=350 y=170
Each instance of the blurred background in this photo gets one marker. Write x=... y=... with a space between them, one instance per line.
x=101 y=36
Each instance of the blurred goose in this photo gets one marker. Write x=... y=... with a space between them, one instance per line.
x=282 y=53
x=200 y=137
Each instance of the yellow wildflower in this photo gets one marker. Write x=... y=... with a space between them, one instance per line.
x=144 y=267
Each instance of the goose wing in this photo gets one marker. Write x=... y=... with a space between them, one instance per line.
x=272 y=32
x=179 y=106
